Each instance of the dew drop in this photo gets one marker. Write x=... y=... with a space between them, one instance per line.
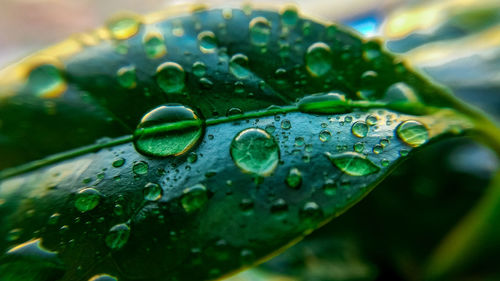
x=152 y=191
x=238 y=66
x=117 y=163
x=167 y=130
x=289 y=15
x=124 y=27
x=359 y=129
x=126 y=77
x=311 y=213
x=371 y=120
x=279 y=207
x=47 y=81
x=324 y=103
x=359 y=147
x=318 y=59
x=87 y=199
x=117 y=236
x=413 y=133
x=352 y=163
x=255 y=151
x=377 y=149
x=207 y=41
x=194 y=197
x=260 y=31
x=199 y=68
x=286 y=124
x=170 y=77
x=329 y=187
x=154 y=45
x=325 y=136
x=294 y=178
x=140 y=168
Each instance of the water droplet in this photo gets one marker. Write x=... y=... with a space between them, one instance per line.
x=168 y=130
x=170 y=77
x=54 y=218
x=117 y=163
x=330 y=188
x=194 y=197
x=279 y=207
x=255 y=151
x=154 y=45
x=385 y=162
x=371 y=120
x=286 y=124
x=207 y=41
x=359 y=129
x=270 y=129
x=325 y=136
x=377 y=149
x=103 y=277
x=118 y=236
x=294 y=178
x=318 y=59
x=384 y=142
x=311 y=214
x=152 y=191
x=404 y=152
x=289 y=15
x=238 y=66
x=359 y=147
x=87 y=199
x=124 y=26
x=140 y=168
x=199 y=68
x=324 y=103
x=400 y=92
x=260 y=31
x=46 y=81
x=353 y=163
x=126 y=77
x=299 y=141
x=192 y=157
x=412 y=133
x=246 y=206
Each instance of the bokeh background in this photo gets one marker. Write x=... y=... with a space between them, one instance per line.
x=391 y=234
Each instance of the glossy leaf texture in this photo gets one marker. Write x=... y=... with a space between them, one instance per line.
x=190 y=146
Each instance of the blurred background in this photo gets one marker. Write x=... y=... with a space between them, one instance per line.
x=391 y=233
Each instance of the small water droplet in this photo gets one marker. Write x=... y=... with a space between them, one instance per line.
x=279 y=207
x=167 y=130
x=238 y=66
x=152 y=191
x=294 y=178
x=255 y=151
x=299 y=141
x=170 y=76
x=286 y=124
x=359 y=147
x=311 y=213
x=207 y=41
x=87 y=199
x=413 y=133
x=324 y=103
x=246 y=206
x=192 y=157
x=194 y=197
x=117 y=163
x=103 y=277
x=352 y=163
x=54 y=219
x=359 y=129
x=126 y=77
x=154 y=45
x=140 y=168
x=318 y=59
x=377 y=149
x=371 y=120
x=325 y=136
x=329 y=187
x=260 y=31
x=117 y=236
x=289 y=15
x=199 y=68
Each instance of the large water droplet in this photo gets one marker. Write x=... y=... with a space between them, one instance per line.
x=140 y=168
x=194 y=198
x=325 y=136
x=359 y=129
x=168 y=130
x=412 y=133
x=255 y=151
x=260 y=31
x=46 y=81
x=294 y=178
x=238 y=66
x=126 y=77
x=353 y=163
x=124 y=26
x=118 y=236
x=154 y=45
x=170 y=77
x=87 y=199
x=318 y=59
x=207 y=41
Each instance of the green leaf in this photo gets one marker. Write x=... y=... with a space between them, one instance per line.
x=257 y=126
